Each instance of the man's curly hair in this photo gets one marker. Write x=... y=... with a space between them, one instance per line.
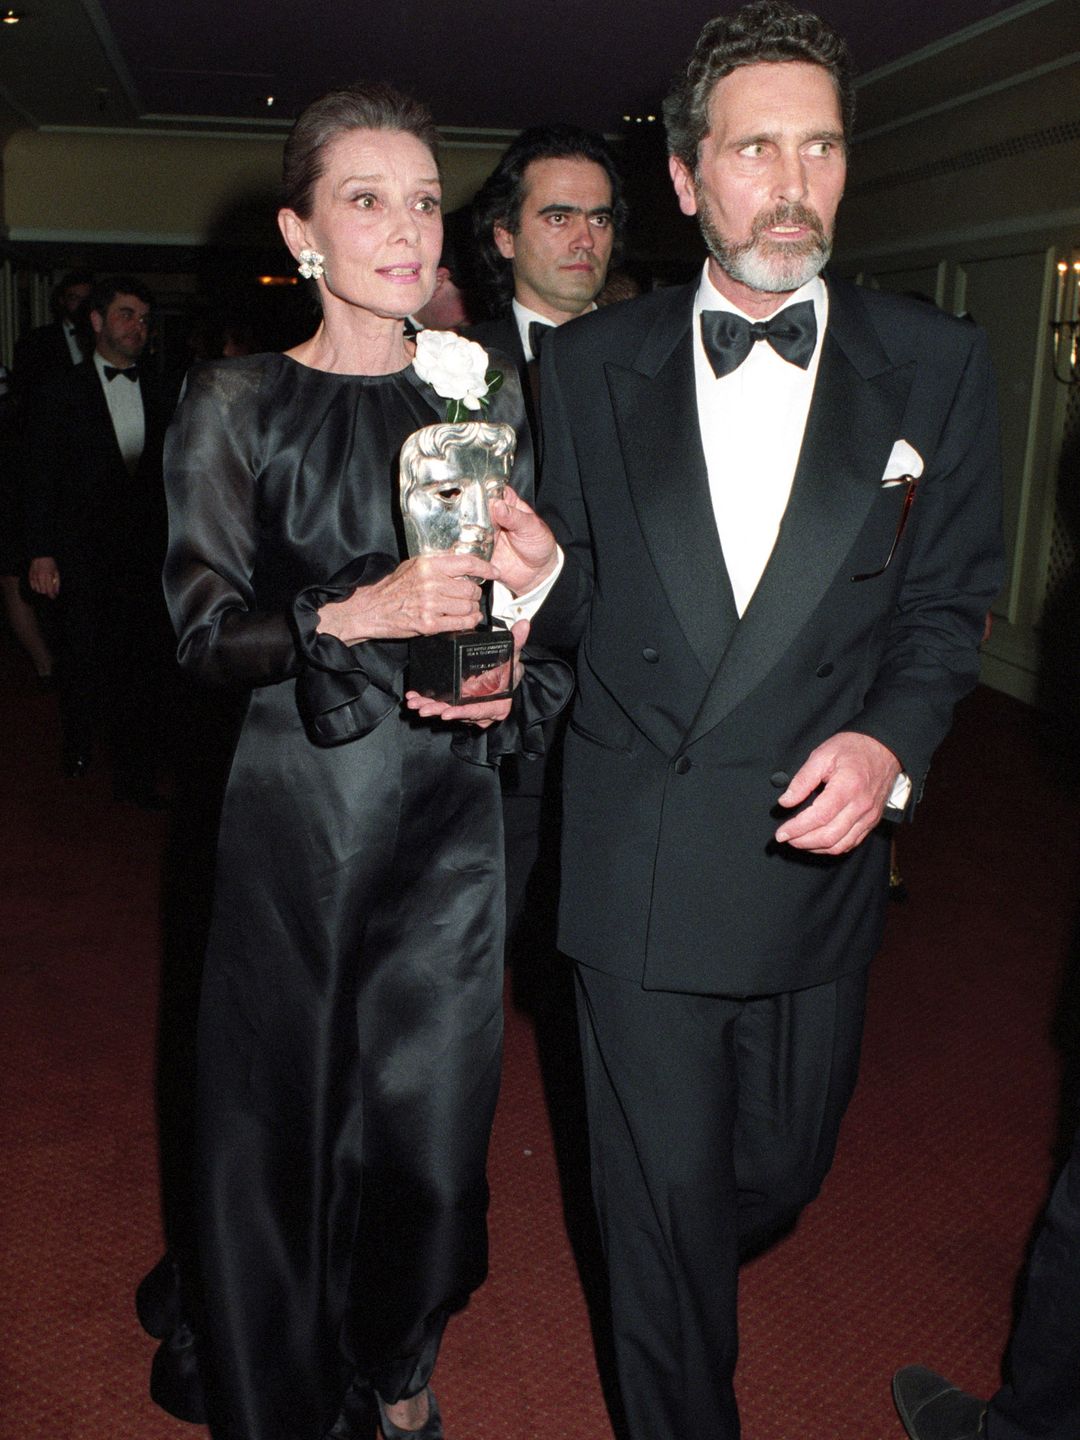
x=767 y=30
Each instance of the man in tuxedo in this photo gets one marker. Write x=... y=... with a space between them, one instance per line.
x=96 y=532
x=776 y=500
x=52 y=350
x=546 y=220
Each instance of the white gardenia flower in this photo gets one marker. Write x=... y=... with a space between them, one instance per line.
x=453 y=366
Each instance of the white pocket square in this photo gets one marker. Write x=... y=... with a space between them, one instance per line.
x=904 y=461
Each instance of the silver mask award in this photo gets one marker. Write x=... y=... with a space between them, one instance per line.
x=449 y=476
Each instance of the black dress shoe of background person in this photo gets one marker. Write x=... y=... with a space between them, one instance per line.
x=175 y=1382
x=932 y=1408
x=74 y=763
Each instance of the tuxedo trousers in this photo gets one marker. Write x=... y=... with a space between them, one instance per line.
x=116 y=648
x=712 y=1122
x=1041 y=1398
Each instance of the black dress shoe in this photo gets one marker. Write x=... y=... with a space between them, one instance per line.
x=75 y=763
x=934 y=1409
x=175 y=1382
x=430 y=1430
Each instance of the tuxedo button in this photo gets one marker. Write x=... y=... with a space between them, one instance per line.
x=823 y=671
x=780 y=779
x=682 y=765
x=651 y=655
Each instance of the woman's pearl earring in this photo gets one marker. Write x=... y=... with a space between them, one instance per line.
x=312 y=264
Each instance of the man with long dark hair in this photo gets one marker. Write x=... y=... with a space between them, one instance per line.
x=547 y=221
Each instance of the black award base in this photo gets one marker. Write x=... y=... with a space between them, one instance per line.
x=462 y=667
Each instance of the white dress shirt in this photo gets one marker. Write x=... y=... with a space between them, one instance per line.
x=75 y=350
x=752 y=423
x=124 y=399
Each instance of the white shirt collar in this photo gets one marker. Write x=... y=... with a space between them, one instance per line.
x=524 y=317
x=101 y=362
x=709 y=298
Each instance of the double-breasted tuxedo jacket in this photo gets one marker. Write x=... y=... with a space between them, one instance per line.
x=689 y=721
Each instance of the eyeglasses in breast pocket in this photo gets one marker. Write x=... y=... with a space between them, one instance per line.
x=912 y=485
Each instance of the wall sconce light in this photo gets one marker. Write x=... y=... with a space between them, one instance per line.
x=1065 y=326
x=11 y=17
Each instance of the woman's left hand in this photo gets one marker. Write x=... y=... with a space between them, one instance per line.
x=482 y=713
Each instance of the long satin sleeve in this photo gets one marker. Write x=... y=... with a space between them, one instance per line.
x=212 y=466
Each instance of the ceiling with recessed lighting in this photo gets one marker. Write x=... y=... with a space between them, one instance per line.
x=492 y=65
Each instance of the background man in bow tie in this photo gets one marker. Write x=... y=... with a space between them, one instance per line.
x=96 y=530
x=778 y=543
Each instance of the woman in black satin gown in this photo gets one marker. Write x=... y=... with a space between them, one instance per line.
x=350 y=1025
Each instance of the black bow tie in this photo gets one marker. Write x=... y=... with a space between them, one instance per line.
x=729 y=338
x=111 y=372
x=538 y=333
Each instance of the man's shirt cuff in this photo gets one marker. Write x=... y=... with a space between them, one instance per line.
x=900 y=793
x=510 y=608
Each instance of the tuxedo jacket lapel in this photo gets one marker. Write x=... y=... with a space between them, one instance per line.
x=502 y=334
x=655 y=410
x=855 y=416
x=98 y=407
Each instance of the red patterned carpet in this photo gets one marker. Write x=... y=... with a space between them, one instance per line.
x=910 y=1254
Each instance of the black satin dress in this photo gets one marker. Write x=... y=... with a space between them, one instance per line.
x=350 y=1023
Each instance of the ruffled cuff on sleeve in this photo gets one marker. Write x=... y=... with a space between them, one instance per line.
x=344 y=691
x=546 y=687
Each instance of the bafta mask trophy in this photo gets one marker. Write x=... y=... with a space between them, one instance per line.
x=449 y=475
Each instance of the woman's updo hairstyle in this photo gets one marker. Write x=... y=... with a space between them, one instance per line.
x=357 y=107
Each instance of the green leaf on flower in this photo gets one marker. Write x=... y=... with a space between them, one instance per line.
x=456 y=411
x=494 y=379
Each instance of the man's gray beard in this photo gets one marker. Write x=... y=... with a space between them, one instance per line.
x=760 y=263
